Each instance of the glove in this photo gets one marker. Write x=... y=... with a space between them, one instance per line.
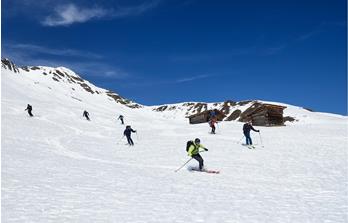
x=258 y=130
x=205 y=149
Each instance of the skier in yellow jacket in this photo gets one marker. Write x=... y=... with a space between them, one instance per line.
x=193 y=151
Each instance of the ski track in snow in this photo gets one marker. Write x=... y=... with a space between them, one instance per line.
x=58 y=167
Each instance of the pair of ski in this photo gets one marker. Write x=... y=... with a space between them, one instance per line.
x=249 y=146
x=196 y=169
x=205 y=171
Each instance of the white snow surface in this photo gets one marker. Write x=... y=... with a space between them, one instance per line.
x=58 y=167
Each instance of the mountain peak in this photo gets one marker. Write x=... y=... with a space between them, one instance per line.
x=68 y=79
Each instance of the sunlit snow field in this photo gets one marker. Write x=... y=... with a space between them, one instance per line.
x=58 y=167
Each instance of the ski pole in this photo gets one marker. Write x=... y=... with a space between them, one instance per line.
x=119 y=140
x=183 y=165
x=260 y=138
x=241 y=139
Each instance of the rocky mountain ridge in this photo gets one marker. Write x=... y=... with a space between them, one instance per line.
x=233 y=110
x=65 y=75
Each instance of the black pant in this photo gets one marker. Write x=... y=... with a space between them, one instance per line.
x=248 y=138
x=29 y=112
x=130 y=141
x=199 y=159
x=213 y=129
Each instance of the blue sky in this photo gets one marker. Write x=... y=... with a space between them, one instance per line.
x=168 y=51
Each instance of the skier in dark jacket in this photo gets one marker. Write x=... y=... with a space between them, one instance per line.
x=86 y=114
x=29 y=108
x=121 y=118
x=193 y=151
x=127 y=132
x=247 y=127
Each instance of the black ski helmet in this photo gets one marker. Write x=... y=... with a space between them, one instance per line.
x=197 y=141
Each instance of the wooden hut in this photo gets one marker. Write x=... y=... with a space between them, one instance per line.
x=205 y=116
x=264 y=114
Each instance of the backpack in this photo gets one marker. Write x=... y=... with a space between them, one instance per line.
x=188 y=144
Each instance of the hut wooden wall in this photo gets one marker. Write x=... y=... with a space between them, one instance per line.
x=204 y=117
x=198 y=118
x=268 y=115
x=264 y=114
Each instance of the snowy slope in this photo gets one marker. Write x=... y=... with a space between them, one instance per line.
x=58 y=167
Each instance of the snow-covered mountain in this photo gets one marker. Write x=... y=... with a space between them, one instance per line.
x=59 y=167
x=63 y=78
x=73 y=83
x=66 y=80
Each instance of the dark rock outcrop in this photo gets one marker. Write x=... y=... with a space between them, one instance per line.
x=9 y=65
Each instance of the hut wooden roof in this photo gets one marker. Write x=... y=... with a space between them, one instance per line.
x=273 y=106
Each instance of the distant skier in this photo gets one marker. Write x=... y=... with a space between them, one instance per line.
x=247 y=127
x=212 y=125
x=193 y=151
x=29 y=108
x=121 y=118
x=86 y=114
x=127 y=132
